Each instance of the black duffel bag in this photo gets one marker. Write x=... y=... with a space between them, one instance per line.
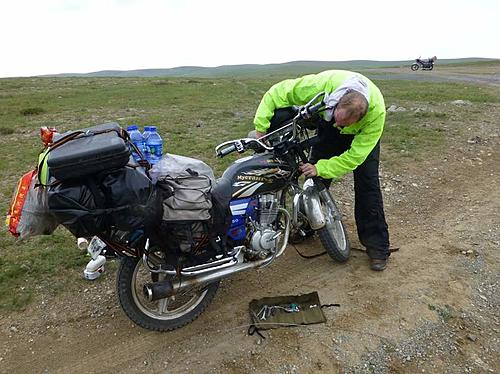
x=122 y=199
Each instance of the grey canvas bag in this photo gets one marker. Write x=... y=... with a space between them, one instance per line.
x=189 y=182
x=190 y=200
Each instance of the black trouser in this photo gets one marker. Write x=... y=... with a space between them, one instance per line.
x=368 y=204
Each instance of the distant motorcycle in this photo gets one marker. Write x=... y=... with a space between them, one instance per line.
x=427 y=64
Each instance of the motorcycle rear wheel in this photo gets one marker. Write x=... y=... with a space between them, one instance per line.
x=415 y=67
x=164 y=314
x=333 y=235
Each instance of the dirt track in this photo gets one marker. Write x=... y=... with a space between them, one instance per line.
x=472 y=74
x=435 y=309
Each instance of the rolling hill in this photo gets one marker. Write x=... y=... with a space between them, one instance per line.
x=255 y=70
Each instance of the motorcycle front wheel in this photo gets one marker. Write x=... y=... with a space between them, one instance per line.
x=333 y=235
x=414 y=67
x=164 y=314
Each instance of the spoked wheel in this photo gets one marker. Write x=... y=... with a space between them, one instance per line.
x=164 y=314
x=333 y=235
x=415 y=67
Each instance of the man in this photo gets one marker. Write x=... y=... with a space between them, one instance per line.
x=349 y=135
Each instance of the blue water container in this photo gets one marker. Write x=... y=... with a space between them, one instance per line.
x=154 y=145
x=136 y=138
x=145 y=136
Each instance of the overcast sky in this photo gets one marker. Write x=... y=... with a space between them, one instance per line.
x=80 y=36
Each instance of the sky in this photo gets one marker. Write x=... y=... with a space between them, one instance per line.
x=80 y=36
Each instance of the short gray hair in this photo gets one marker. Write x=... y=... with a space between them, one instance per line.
x=354 y=103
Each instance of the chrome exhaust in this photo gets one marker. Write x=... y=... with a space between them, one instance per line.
x=166 y=288
x=206 y=274
x=157 y=290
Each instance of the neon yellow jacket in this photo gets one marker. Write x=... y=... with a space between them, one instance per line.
x=299 y=91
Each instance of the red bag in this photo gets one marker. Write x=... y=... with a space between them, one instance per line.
x=16 y=206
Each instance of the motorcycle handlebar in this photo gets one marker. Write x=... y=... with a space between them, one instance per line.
x=226 y=151
x=314 y=109
x=240 y=145
x=310 y=109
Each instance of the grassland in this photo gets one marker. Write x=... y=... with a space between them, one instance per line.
x=192 y=115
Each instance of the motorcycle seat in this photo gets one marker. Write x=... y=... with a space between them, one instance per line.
x=222 y=191
x=221 y=197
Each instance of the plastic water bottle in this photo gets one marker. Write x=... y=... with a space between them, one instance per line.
x=136 y=138
x=145 y=136
x=146 y=133
x=154 y=144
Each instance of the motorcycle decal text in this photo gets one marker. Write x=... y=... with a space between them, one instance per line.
x=253 y=178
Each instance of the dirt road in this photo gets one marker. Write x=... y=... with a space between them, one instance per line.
x=435 y=309
x=473 y=74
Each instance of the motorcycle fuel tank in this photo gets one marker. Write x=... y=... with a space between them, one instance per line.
x=257 y=174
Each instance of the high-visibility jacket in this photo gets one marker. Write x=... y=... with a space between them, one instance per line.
x=299 y=91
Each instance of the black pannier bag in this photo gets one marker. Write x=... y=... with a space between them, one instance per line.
x=89 y=151
x=122 y=199
x=75 y=208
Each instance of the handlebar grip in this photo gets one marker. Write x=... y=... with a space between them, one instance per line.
x=226 y=151
x=314 y=108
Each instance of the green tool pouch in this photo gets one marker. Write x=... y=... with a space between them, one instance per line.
x=273 y=312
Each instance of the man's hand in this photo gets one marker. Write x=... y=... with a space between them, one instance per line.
x=259 y=134
x=309 y=170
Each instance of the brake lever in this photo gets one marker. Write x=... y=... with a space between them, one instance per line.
x=240 y=148
x=318 y=95
x=260 y=143
x=304 y=113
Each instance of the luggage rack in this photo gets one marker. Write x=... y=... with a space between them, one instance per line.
x=121 y=249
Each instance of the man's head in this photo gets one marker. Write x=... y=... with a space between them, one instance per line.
x=350 y=109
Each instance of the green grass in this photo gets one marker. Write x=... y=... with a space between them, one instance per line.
x=411 y=135
x=434 y=93
x=445 y=312
x=193 y=116
x=32 y=111
x=39 y=263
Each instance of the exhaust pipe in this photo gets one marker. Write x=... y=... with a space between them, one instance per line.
x=158 y=290
x=166 y=288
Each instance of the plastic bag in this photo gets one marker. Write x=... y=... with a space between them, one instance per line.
x=29 y=213
x=175 y=166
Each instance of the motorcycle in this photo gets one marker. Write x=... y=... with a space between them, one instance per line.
x=427 y=64
x=163 y=289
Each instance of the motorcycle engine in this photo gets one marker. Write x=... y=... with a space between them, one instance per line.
x=264 y=240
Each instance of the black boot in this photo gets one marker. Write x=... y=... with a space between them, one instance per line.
x=378 y=264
